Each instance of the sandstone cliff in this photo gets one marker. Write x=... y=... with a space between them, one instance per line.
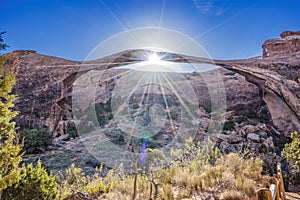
x=289 y=42
x=39 y=85
x=44 y=86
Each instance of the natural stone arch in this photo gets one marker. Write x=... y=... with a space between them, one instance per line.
x=280 y=92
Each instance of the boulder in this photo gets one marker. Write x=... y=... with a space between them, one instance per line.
x=250 y=129
x=204 y=123
x=235 y=139
x=219 y=137
x=253 y=137
x=269 y=142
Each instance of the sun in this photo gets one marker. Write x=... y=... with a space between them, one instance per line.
x=154 y=59
x=153 y=63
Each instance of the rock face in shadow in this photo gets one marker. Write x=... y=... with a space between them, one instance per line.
x=277 y=78
x=39 y=85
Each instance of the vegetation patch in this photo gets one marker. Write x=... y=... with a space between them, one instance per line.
x=35 y=141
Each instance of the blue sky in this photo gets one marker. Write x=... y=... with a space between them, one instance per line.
x=72 y=28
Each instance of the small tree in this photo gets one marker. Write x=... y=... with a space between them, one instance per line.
x=35 y=141
x=9 y=145
x=2 y=45
x=35 y=184
x=291 y=151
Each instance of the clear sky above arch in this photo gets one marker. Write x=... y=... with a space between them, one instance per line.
x=72 y=28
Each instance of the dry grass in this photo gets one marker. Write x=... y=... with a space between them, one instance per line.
x=184 y=179
x=167 y=192
x=232 y=195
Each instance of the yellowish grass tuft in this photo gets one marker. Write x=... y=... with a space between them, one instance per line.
x=232 y=195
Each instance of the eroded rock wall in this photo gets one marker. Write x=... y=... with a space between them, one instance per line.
x=289 y=42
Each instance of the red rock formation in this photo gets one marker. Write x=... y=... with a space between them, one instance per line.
x=44 y=89
x=289 y=42
x=44 y=85
x=289 y=33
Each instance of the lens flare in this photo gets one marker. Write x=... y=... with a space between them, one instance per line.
x=120 y=112
x=143 y=153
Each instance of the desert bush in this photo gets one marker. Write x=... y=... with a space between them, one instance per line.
x=244 y=186
x=228 y=125
x=202 y=154
x=209 y=153
x=167 y=174
x=35 y=184
x=182 y=177
x=35 y=141
x=236 y=164
x=175 y=113
x=167 y=192
x=212 y=177
x=239 y=119
x=96 y=187
x=72 y=131
x=71 y=182
x=207 y=108
x=232 y=195
x=124 y=187
x=291 y=151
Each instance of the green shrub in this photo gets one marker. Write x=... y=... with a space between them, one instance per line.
x=35 y=184
x=71 y=182
x=209 y=153
x=35 y=141
x=72 y=131
x=228 y=125
x=97 y=185
x=207 y=108
x=291 y=151
x=295 y=179
x=250 y=168
x=240 y=119
x=175 y=114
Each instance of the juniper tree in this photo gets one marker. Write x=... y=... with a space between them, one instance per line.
x=9 y=145
x=35 y=184
x=291 y=151
x=2 y=44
